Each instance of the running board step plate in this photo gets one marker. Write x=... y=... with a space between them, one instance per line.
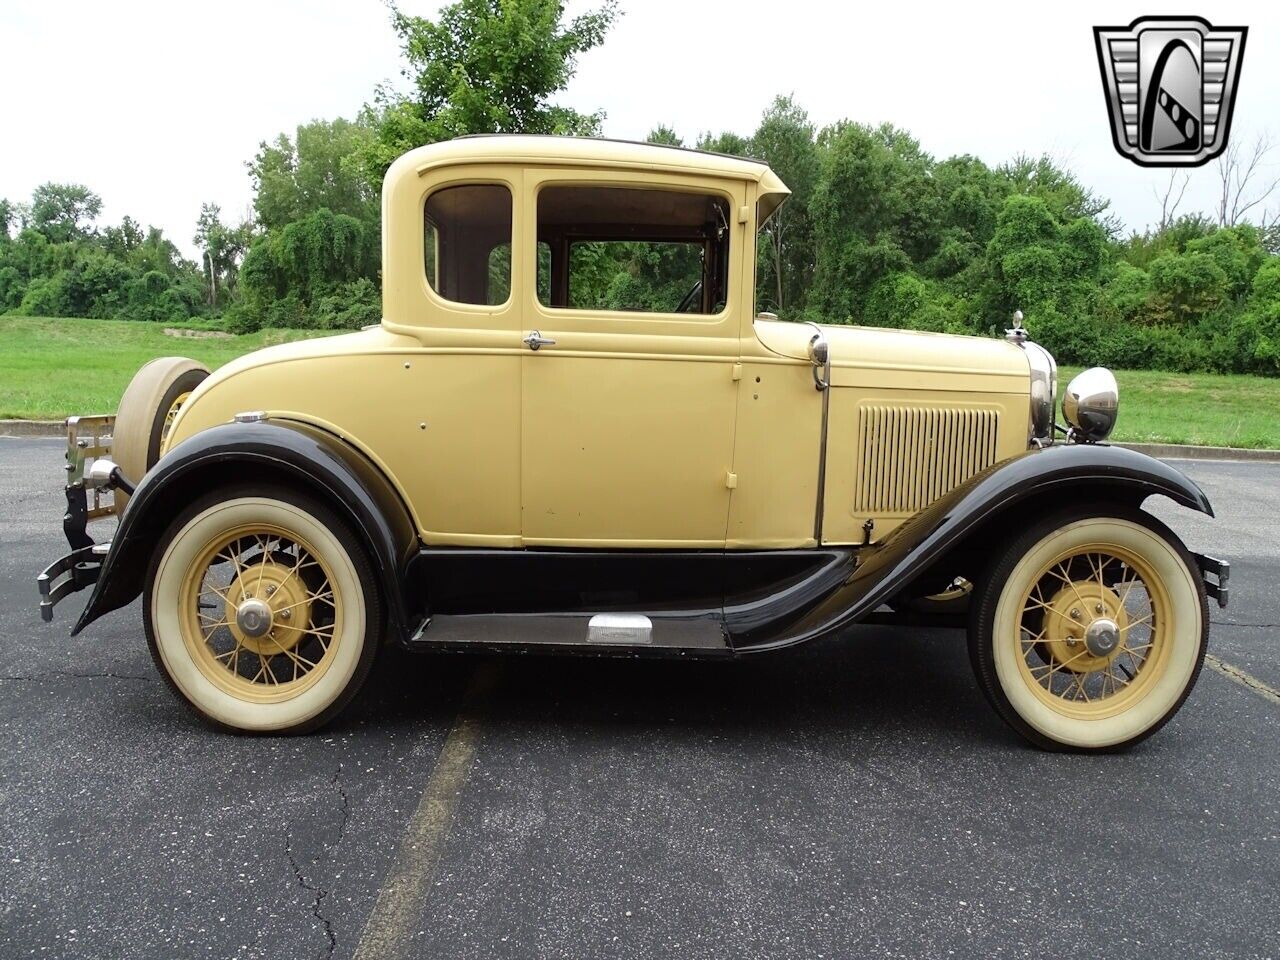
x=599 y=630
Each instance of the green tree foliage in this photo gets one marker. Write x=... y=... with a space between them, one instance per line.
x=61 y=264
x=64 y=211
x=316 y=168
x=785 y=140
x=314 y=272
x=484 y=66
x=222 y=248
x=664 y=135
x=873 y=211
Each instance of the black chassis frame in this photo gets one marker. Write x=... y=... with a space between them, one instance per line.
x=759 y=600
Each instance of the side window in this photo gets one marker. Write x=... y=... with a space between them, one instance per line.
x=632 y=249
x=467 y=230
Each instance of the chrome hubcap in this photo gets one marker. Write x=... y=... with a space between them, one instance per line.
x=1102 y=636
x=253 y=617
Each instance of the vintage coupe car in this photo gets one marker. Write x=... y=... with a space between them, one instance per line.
x=572 y=431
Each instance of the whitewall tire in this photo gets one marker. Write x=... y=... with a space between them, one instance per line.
x=1090 y=630
x=261 y=610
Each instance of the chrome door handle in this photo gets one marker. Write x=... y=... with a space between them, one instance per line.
x=536 y=340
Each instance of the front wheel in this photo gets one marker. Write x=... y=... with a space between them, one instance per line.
x=1090 y=631
x=261 y=610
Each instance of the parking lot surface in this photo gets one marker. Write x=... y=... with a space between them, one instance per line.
x=856 y=797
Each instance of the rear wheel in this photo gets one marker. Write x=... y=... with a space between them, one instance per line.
x=260 y=610
x=1090 y=631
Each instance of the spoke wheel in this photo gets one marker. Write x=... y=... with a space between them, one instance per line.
x=171 y=415
x=262 y=610
x=1089 y=629
x=261 y=615
x=1093 y=631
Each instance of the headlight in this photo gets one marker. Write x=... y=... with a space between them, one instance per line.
x=1044 y=390
x=1091 y=403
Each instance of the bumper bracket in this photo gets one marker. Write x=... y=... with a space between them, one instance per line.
x=1220 y=572
x=77 y=570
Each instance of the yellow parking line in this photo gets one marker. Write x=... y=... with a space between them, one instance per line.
x=1232 y=672
x=400 y=900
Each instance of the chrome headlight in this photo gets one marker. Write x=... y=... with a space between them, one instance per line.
x=1091 y=404
x=1044 y=390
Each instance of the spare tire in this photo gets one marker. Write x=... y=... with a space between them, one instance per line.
x=146 y=412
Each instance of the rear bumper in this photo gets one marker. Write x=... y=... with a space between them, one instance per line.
x=88 y=439
x=1216 y=573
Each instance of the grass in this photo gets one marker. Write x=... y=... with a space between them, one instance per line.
x=52 y=368
x=1219 y=410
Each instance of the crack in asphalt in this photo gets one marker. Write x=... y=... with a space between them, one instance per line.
x=67 y=674
x=1237 y=623
x=319 y=892
x=1232 y=672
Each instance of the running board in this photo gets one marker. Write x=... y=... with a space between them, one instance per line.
x=605 y=631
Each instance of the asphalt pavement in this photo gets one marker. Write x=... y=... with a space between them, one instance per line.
x=854 y=798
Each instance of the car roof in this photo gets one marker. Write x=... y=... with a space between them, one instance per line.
x=532 y=148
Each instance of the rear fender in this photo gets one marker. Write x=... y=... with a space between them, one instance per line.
x=975 y=519
x=293 y=454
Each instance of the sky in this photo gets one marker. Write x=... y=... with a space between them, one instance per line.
x=157 y=106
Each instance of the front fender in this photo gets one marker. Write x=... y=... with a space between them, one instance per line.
x=1082 y=472
x=276 y=451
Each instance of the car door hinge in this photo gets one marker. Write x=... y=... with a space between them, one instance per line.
x=737 y=371
x=744 y=213
x=731 y=481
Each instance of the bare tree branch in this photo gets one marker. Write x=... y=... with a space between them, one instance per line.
x=1244 y=180
x=1169 y=202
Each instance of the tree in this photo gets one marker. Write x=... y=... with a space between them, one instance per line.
x=8 y=214
x=1059 y=188
x=222 y=247
x=484 y=66
x=664 y=135
x=1243 y=182
x=123 y=240
x=874 y=212
x=1171 y=199
x=726 y=142
x=316 y=168
x=64 y=211
x=784 y=140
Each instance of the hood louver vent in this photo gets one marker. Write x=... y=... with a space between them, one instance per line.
x=912 y=455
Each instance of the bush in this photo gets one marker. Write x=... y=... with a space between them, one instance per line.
x=351 y=306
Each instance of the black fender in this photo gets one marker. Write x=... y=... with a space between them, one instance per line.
x=288 y=452
x=977 y=515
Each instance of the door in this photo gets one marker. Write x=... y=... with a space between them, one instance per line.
x=452 y=288
x=628 y=400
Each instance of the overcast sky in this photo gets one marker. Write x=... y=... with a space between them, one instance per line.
x=157 y=105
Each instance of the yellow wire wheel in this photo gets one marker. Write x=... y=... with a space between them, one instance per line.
x=1091 y=630
x=260 y=611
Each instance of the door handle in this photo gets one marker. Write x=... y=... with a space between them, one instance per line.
x=536 y=341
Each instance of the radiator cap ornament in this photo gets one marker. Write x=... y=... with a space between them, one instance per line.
x=1016 y=334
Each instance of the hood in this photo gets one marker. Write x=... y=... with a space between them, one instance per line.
x=857 y=353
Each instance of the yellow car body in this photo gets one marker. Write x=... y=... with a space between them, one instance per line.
x=633 y=430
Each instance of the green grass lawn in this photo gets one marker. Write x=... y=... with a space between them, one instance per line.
x=51 y=368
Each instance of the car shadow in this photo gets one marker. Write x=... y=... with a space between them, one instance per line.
x=916 y=682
